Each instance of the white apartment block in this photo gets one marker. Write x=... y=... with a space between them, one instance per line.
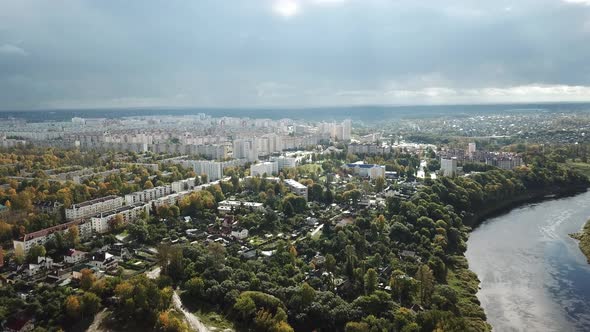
x=367 y=170
x=296 y=188
x=147 y=195
x=183 y=185
x=269 y=143
x=245 y=149
x=339 y=131
x=471 y=148
x=267 y=168
x=100 y=223
x=285 y=162
x=94 y=207
x=213 y=169
x=227 y=206
x=448 y=167
x=39 y=238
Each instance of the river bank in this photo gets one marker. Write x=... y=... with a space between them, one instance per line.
x=504 y=206
x=533 y=277
x=463 y=279
x=583 y=238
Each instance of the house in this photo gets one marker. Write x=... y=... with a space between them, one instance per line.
x=43 y=264
x=248 y=254
x=74 y=256
x=103 y=261
x=240 y=233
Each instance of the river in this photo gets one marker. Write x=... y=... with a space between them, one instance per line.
x=533 y=275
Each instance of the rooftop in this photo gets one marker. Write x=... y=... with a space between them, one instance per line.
x=94 y=201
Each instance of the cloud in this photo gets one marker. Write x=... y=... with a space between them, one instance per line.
x=578 y=2
x=9 y=49
x=299 y=53
x=289 y=8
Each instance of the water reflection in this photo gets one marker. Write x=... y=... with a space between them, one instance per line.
x=533 y=276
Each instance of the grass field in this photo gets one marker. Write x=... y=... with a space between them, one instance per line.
x=579 y=166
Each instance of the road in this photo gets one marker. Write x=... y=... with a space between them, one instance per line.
x=192 y=320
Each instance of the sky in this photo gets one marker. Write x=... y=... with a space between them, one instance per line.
x=291 y=53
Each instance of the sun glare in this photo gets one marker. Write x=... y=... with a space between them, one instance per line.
x=286 y=8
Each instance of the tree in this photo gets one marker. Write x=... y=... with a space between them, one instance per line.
x=72 y=307
x=330 y=263
x=371 y=281
x=351 y=259
x=245 y=306
x=117 y=222
x=426 y=281
x=353 y=196
x=216 y=253
x=195 y=287
x=402 y=287
x=356 y=327
x=36 y=251
x=288 y=209
x=307 y=294
x=379 y=184
x=73 y=235
x=90 y=304
x=163 y=257
x=175 y=263
x=87 y=279
x=148 y=185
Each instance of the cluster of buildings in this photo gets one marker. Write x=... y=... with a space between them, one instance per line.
x=376 y=149
x=213 y=169
x=370 y=171
x=274 y=165
x=11 y=142
x=98 y=215
x=194 y=135
x=338 y=131
x=453 y=158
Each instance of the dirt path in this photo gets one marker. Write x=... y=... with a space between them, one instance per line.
x=95 y=326
x=193 y=320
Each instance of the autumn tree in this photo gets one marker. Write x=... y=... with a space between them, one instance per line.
x=72 y=307
x=87 y=279
x=425 y=279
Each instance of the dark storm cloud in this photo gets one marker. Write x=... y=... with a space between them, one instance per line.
x=290 y=52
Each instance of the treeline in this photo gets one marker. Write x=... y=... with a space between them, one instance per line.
x=399 y=269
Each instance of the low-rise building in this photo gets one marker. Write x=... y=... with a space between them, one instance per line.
x=148 y=195
x=103 y=261
x=74 y=256
x=367 y=170
x=228 y=206
x=94 y=207
x=240 y=233
x=183 y=185
x=267 y=168
x=296 y=188
x=38 y=238
x=101 y=222
x=285 y=162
